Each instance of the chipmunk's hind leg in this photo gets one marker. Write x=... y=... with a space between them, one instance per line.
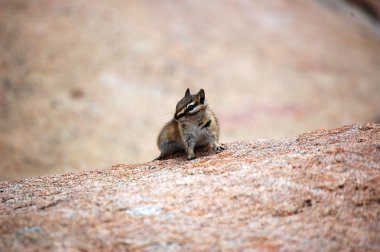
x=168 y=147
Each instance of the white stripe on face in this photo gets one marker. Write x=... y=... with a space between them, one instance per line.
x=190 y=104
x=195 y=109
x=181 y=113
x=185 y=110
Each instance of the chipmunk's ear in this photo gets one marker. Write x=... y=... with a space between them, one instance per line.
x=187 y=92
x=201 y=94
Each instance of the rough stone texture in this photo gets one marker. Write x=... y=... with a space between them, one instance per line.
x=319 y=191
x=83 y=86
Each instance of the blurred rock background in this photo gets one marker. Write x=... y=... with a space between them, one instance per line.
x=85 y=85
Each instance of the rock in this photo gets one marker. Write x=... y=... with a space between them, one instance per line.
x=83 y=85
x=318 y=191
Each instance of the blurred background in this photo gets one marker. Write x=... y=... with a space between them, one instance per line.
x=89 y=84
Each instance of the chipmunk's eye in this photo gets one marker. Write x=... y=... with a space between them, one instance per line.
x=190 y=107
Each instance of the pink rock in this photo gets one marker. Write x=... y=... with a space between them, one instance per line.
x=317 y=191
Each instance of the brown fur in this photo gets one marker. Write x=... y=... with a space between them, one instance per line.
x=194 y=124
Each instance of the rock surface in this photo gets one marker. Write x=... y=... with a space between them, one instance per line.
x=318 y=191
x=83 y=85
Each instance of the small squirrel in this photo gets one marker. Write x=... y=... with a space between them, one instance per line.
x=194 y=124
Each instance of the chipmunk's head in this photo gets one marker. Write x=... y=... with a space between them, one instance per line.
x=190 y=104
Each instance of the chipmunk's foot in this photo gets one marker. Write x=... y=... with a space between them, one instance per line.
x=219 y=148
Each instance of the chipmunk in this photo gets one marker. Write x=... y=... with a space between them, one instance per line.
x=194 y=124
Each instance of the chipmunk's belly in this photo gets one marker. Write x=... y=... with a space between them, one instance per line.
x=201 y=137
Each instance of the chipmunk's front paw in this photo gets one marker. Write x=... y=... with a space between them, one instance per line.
x=191 y=157
x=219 y=148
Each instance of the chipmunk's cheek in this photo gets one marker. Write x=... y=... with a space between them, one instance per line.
x=179 y=114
